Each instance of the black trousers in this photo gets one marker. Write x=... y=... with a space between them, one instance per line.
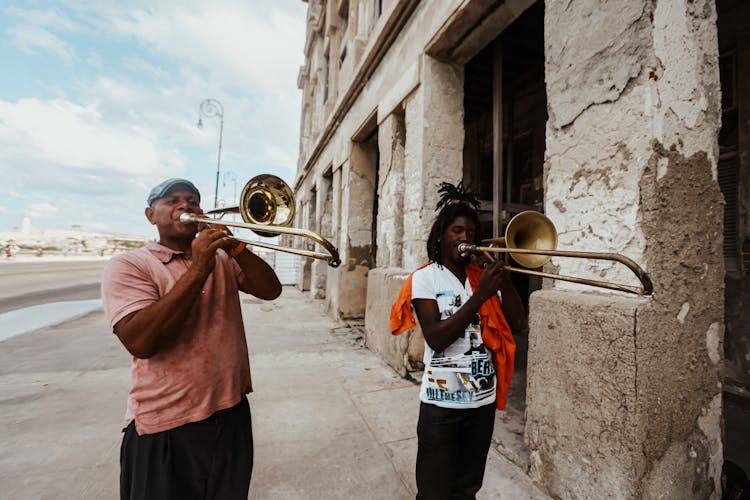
x=210 y=459
x=452 y=452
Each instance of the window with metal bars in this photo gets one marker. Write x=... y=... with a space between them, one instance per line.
x=729 y=162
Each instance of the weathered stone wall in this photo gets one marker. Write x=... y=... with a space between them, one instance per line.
x=442 y=126
x=392 y=87
x=440 y=100
x=332 y=274
x=679 y=403
x=392 y=137
x=623 y=398
x=582 y=394
x=405 y=352
x=322 y=226
x=631 y=168
x=416 y=213
x=302 y=220
x=358 y=187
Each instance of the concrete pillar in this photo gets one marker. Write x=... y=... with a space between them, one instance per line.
x=322 y=226
x=332 y=274
x=358 y=188
x=434 y=118
x=433 y=153
x=623 y=396
x=302 y=216
x=391 y=139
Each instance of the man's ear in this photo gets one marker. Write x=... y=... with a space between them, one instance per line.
x=150 y=215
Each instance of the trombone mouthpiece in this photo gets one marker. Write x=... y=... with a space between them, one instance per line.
x=188 y=218
x=465 y=247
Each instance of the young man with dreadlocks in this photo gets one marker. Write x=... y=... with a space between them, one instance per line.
x=467 y=314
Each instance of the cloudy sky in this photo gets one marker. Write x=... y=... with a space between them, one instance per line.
x=99 y=101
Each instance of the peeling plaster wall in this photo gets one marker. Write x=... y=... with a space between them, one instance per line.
x=405 y=352
x=612 y=55
x=356 y=235
x=416 y=214
x=631 y=168
x=303 y=222
x=581 y=395
x=324 y=207
x=391 y=191
x=682 y=220
x=332 y=274
x=433 y=152
x=597 y=140
x=440 y=100
x=442 y=128
x=395 y=84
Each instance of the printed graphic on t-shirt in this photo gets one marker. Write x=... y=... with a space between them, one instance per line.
x=462 y=374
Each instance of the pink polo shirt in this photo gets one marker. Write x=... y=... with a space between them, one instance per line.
x=208 y=369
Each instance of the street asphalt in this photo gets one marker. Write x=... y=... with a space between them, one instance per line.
x=330 y=419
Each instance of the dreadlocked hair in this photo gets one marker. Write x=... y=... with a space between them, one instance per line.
x=455 y=201
x=451 y=194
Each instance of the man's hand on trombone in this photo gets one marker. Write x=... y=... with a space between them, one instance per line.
x=209 y=239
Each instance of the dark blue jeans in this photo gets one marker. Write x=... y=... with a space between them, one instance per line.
x=210 y=459
x=452 y=453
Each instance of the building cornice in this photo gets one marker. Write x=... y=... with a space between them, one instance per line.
x=385 y=37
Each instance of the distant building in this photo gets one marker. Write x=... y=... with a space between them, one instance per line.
x=30 y=239
x=628 y=124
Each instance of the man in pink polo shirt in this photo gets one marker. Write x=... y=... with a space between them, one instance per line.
x=174 y=305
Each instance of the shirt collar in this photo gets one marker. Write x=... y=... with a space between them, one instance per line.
x=164 y=254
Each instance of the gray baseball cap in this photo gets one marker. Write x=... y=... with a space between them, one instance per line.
x=161 y=189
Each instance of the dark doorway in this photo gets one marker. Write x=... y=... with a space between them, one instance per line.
x=505 y=116
x=734 y=180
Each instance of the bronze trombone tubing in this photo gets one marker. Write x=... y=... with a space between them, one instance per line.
x=332 y=259
x=646 y=287
x=295 y=251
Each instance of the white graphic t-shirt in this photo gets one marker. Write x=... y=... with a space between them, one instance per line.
x=461 y=376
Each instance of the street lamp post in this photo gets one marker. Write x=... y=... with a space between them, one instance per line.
x=210 y=108
x=233 y=177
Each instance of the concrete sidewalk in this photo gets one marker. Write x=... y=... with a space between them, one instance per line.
x=330 y=420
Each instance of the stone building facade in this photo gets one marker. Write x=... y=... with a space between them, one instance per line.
x=627 y=124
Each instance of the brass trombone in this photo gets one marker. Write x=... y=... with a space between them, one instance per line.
x=266 y=205
x=531 y=240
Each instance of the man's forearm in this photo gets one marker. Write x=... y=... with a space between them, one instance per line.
x=260 y=278
x=157 y=326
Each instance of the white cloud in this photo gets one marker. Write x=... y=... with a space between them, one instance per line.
x=146 y=67
x=50 y=18
x=95 y=149
x=30 y=38
x=252 y=46
x=59 y=132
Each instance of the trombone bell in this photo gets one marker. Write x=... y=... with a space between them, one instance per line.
x=531 y=239
x=267 y=206
x=267 y=200
x=534 y=231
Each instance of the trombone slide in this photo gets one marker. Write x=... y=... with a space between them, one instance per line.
x=332 y=257
x=646 y=287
